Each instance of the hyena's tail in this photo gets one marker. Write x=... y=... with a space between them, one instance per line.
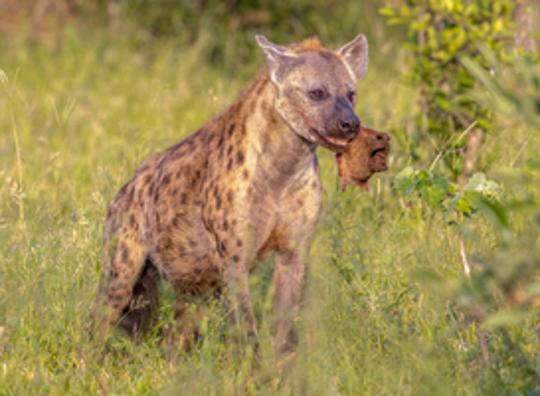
x=128 y=292
x=143 y=309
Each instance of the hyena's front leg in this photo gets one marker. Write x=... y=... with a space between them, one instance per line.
x=234 y=245
x=287 y=286
x=238 y=294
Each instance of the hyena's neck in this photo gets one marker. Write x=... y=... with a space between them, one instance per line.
x=279 y=154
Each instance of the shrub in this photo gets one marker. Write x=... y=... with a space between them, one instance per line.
x=439 y=35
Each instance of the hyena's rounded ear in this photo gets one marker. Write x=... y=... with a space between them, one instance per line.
x=355 y=56
x=280 y=59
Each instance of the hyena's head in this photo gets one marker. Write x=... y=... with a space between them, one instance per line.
x=317 y=88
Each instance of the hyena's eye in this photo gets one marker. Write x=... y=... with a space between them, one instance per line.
x=317 y=94
x=351 y=95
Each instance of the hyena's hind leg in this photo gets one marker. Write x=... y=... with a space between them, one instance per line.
x=142 y=311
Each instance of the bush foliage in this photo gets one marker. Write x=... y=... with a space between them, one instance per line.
x=439 y=35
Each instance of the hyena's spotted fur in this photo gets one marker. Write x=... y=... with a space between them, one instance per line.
x=200 y=213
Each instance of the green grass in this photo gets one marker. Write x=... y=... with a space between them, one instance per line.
x=75 y=121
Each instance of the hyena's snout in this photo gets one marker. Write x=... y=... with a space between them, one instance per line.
x=345 y=123
x=348 y=124
x=342 y=128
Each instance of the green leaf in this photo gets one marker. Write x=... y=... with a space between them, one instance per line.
x=487 y=188
x=463 y=205
x=405 y=181
x=496 y=214
x=387 y=11
x=433 y=195
x=441 y=182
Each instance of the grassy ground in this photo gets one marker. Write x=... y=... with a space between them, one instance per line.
x=74 y=123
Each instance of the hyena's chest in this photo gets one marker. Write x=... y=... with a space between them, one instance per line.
x=280 y=218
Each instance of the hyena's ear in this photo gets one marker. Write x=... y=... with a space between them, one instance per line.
x=355 y=56
x=280 y=59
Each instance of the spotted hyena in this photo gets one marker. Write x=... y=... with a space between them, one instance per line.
x=202 y=212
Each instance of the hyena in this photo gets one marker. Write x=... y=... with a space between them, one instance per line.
x=247 y=183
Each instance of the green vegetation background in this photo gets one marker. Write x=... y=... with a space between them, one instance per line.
x=83 y=102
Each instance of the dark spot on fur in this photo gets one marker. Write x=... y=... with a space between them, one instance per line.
x=143 y=168
x=235 y=258
x=117 y=297
x=239 y=243
x=259 y=87
x=229 y=164
x=123 y=189
x=176 y=146
x=230 y=196
x=245 y=173
x=229 y=150
x=225 y=225
x=240 y=157
x=192 y=243
x=147 y=179
x=325 y=55
x=222 y=248
x=231 y=129
x=132 y=220
x=131 y=193
x=178 y=173
x=221 y=141
x=166 y=180
x=125 y=253
x=167 y=243
x=183 y=198
x=265 y=106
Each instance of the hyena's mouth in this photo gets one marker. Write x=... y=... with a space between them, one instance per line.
x=332 y=143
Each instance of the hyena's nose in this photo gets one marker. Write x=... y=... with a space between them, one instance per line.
x=350 y=125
